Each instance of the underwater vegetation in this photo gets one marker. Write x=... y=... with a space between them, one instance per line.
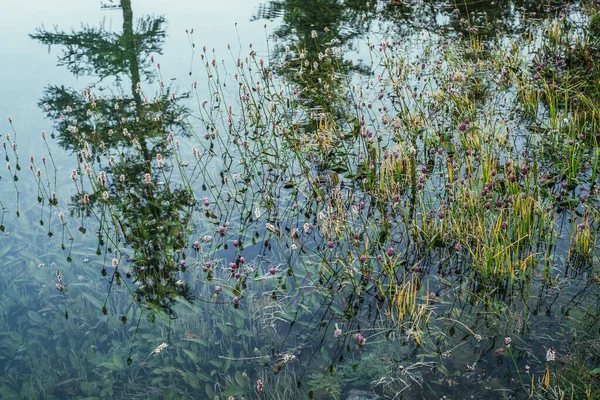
x=384 y=200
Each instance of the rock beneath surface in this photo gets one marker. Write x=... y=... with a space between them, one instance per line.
x=356 y=394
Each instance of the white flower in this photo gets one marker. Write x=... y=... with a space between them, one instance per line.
x=206 y=239
x=307 y=227
x=160 y=348
x=270 y=227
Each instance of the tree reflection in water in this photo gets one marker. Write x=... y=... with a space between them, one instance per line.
x=123 y=139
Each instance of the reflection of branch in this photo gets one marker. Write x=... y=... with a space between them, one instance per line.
x=92 y=50
x=96 y=51
x=104 y=6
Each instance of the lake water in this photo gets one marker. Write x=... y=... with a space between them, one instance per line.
x=298 y=199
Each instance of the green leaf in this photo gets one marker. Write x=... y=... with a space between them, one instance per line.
x=191 y=379
x=239 y=379
x=110 y=366
x=239 y=319
x=234 y=391
x=118 y=361
x=96 y=302
x=157 y=380
x=339 y=168
x=61 y=352
x=201 y=342
x=203 y=377
x=595 y=371
x=226 y=330
x=191 y=355
x=210 y=393
x=325 y=355
x=7 y=393
x=88 y=387
x=37 y=332
x=35 y=317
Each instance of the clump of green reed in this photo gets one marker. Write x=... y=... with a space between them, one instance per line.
x=565 y=64
x=584 y=239
x=479 y=193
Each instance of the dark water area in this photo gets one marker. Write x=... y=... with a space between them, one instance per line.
x=299 y=199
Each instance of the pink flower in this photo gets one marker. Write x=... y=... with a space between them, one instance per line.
x=360 y=339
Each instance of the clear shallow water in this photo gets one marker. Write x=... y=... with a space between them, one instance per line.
x=283 y=331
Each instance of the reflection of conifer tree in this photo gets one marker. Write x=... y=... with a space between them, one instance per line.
x=309 y=49
x=315 y=31
x=485 y=18
x=129 y=138
x=98 y=52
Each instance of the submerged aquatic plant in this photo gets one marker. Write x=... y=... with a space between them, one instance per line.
x=322 y=216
